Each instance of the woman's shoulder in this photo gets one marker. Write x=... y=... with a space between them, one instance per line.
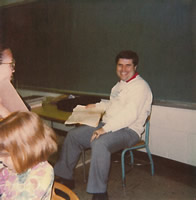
x=41 y=177
x=42 y=169
x=44 y=164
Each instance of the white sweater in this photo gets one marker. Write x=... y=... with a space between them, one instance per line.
x=129 y=106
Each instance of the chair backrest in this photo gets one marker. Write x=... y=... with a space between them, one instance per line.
x=61 y=192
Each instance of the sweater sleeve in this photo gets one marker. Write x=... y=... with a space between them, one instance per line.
x=102 y=105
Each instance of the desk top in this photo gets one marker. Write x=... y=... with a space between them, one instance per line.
x=50 y=112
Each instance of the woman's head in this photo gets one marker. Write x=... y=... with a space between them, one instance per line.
x=7 y=64
x=26 y=139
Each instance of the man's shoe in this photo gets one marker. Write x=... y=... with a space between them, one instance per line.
x=67 y=182
x=100 y=196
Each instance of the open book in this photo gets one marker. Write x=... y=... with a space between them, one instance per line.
x=83 y=115
x=10 y=98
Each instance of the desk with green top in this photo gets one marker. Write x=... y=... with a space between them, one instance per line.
x=49 y=111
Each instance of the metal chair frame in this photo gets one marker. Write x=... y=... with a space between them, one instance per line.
x=141 y=144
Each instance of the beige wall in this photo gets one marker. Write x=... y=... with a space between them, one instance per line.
x=173 y=134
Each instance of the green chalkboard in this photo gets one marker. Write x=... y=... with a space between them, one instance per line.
x=71 y=44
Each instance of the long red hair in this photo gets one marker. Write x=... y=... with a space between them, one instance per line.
x=27 y=139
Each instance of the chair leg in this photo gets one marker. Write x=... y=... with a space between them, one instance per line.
x=151 y=161
x=132 y=158
x=84 y=165
x=123 y=168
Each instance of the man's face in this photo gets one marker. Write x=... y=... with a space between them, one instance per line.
x=125 y=69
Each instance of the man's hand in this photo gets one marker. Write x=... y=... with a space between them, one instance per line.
x=91 y=106
x=97 y=133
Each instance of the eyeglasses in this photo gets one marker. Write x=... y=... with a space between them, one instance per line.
x=12 y=64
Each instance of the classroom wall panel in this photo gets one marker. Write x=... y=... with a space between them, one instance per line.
x=71 y=44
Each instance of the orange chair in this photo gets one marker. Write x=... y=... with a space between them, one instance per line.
x=61 y=192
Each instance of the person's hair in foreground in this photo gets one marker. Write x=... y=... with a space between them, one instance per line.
x=128 y=54
x=26 y=139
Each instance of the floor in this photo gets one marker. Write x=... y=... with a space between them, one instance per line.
x=172 y=180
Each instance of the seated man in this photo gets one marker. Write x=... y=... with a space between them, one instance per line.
x=121 y=125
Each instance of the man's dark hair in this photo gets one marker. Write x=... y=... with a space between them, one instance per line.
x=128 y=54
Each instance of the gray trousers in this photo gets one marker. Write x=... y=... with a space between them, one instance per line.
x=78 y=139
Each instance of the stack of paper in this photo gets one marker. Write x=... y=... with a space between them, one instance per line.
x=34 y=100
x=83 y=115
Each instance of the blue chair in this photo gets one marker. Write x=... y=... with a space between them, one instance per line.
x=141 y=144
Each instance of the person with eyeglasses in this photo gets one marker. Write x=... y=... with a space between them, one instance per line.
x=7 y=65
x=6 y=73
x=7 y=68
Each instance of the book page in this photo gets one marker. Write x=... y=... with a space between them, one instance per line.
x=10 y=98
x=83 y=115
